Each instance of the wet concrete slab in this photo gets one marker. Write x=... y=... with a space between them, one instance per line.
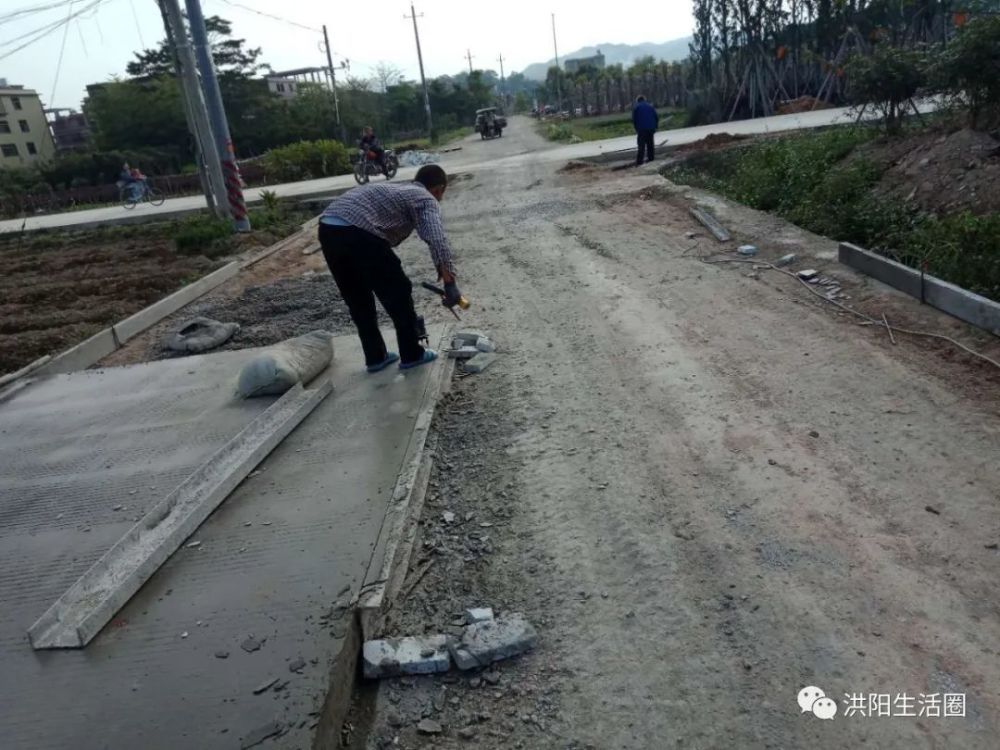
x=185 y=662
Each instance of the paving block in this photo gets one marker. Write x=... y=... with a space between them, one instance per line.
x=483 y=344
x=786 y=260
x=480 y=362
x=469 y=337
x=483 y=643
x=478 y=614
x=462 y=352
x=390 y=657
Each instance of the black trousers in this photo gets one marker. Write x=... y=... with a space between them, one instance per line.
x=645 y=140
x=365 y=267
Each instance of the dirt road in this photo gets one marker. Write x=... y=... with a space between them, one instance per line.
x=706 y=489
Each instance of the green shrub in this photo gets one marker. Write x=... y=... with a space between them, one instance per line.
x=887 y=79
x=306 y=160
x=203 y=235
x=558 y=131
x=968 y=70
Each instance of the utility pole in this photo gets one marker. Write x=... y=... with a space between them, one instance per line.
x=420 y=59
x=203 y=131
x=556 y=48
x=503 y=86
x=469 y=56
x=217 y=116
x=206 y=186
x=333 y=82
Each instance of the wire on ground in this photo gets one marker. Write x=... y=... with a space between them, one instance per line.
x=845 y=308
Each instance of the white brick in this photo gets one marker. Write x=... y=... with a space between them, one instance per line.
x=395 y=656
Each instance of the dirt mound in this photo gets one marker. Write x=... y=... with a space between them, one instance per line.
x=576 y=166
x=945 y=173
x=711 y=142
x=802 y=104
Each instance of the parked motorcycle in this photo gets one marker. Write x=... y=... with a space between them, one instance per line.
x=367 y=165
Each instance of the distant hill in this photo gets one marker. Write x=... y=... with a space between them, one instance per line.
x=626 y=54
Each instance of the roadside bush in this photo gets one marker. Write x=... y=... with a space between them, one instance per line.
x=306 y=160
x=887 y=80
x=203 y=235
x=968 y=70
x=558 y=131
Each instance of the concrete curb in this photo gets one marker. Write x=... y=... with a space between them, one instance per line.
x=150 y=316
x=399 y=528
x=960 y=303
x=83 y=355
x=87 y=606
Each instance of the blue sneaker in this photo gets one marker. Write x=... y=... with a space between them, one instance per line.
x=389 y=359
x=429 y=356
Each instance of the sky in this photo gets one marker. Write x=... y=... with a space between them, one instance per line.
x=98 y=44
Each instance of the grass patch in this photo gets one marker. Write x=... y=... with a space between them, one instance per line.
x=812 y=180
x=604 y=126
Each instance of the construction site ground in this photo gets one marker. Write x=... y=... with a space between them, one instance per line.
x=706 y=487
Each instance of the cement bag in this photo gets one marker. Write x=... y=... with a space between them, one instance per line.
x=279 y=367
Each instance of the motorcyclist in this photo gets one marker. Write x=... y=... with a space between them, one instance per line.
x=370 y=143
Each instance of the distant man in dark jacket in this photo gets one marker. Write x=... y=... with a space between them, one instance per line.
x=645 y=120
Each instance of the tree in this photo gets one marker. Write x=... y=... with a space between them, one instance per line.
x=386 y=75
x=887 y=79
x=968 y=70
x=231 y=56
x=139 y=114
x=701 y=43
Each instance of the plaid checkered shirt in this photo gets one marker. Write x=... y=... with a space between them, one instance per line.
x=392 y=211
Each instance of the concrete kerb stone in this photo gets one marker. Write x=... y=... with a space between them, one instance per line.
x=384 y=578
x=136 y=324
x=479 y=362
x=87 y=606
x=83 y=355
x=954 y=300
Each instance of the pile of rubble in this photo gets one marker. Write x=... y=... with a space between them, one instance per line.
x=484 y=640
x=474 y=349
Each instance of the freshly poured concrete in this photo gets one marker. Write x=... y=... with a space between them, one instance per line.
x=272 y=560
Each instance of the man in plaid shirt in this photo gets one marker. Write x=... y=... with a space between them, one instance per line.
x=357 y=232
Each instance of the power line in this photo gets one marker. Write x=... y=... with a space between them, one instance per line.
x=62 y=49
x=272 y=17
x=135 y=18
x=43 y=31
x=35 y=9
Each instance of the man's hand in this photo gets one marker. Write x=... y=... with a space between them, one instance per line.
x=451 y=294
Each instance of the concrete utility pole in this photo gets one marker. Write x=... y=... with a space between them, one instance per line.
x=469 y=56
x=333 y=83
x=217 y=116
x=503 y=86
x=199 y=157
x=555 y=47
x=203 y=131
x=420 y=59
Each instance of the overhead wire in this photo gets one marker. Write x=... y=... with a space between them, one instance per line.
x=62 y=50
x=273 y=17
x=135 y=18
x=34 y=9
x=43 y=31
